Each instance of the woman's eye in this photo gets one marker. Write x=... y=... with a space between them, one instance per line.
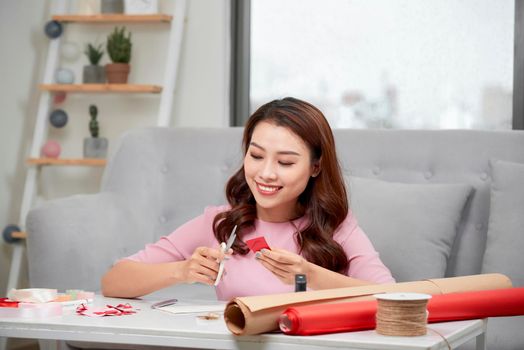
x=286 y=163
x=255 y=156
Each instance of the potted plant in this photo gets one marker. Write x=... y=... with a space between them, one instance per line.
x=93 y=73
x=94 y=146
x=112 y=6
x=119 y=50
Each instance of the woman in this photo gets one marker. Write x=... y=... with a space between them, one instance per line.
x=290 y=191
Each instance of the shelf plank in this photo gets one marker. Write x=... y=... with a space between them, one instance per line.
x=102 y=88
x=114 y=18
x=19 y=235
x=67 y=161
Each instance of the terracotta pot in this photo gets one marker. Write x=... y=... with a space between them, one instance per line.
x=116 y=73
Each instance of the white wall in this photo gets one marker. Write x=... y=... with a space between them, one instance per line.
x=201 y=97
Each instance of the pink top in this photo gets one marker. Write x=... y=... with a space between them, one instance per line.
x=245 y=274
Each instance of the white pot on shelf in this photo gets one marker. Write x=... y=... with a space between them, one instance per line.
x=95 y=147
x=141 y=7
x=112 y=6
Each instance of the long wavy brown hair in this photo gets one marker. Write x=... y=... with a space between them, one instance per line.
x=323 y=202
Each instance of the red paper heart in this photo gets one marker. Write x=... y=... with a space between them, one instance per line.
x=257 y=244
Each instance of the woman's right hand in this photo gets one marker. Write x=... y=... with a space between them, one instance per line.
x=202 y=266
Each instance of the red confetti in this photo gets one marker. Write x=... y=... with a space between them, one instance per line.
x=108 y=310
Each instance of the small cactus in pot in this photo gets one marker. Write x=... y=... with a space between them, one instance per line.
x=119 y=50
x=93 y=123
x=94 y=73
x=94 y=146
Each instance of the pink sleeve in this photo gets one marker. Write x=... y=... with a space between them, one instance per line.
x=364 y=260
x=181 y=243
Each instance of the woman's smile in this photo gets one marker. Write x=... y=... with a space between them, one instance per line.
x=267 y=190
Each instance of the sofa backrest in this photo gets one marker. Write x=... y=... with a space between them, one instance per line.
x=168 y=176
x=437 y=156
x=171 y=175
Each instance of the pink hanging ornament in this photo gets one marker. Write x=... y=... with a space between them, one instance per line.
x=51 y=149
x=59 y=97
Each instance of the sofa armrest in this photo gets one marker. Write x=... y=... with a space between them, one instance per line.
x=72 y=241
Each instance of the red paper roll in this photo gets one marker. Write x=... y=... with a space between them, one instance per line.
x=357 y=316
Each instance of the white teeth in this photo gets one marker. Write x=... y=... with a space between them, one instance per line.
x=267 y=188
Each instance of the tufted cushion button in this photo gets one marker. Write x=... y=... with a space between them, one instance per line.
x=164 y=169
x=484 y=176
x=376 y=170
x=428 y=175
x=162 y=219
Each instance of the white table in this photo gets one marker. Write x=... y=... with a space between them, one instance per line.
x=154 y=327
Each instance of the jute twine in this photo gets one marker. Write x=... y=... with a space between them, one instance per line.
x=403 y=314
x=406 y=318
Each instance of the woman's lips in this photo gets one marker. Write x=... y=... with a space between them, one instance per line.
x=267 y=189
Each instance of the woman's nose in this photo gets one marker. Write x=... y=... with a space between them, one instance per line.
x=268 y=171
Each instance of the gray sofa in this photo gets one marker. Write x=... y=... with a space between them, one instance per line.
x=434 y=203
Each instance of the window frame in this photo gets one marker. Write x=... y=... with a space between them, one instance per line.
x=518 y=68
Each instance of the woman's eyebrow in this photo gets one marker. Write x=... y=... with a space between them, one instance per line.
x=279 y=152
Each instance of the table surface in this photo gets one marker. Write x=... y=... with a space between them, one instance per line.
x=155 y=327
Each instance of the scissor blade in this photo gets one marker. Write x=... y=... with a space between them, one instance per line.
x=231 y=238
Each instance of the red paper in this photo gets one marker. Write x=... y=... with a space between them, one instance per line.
x=108 y=310
x=356 y=316
x=5 y=302
x=257 y=244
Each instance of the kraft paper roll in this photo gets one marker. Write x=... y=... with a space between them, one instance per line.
x=260 y=314
x=344 y=317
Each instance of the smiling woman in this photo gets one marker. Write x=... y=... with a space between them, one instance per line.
x=289 y=190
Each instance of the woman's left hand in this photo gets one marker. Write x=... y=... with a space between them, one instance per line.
x=284 y=264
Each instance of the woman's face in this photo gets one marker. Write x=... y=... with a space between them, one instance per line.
x=277 y=167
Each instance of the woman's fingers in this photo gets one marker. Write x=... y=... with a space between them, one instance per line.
x=196 y=272
x=281 y=256
x=209 y=257
x=274 y=265
x=203 y=265
x=281 y=274
x=210 y=253
x=200 y=277
x=283 y=264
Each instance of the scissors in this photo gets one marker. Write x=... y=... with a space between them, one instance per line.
x=225 y=247
x=164 y=303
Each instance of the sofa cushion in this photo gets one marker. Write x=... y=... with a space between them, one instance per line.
x=504 y=246
x=412 y=226
x=506 y=222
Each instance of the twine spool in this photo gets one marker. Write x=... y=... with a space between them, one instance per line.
x=402 y=314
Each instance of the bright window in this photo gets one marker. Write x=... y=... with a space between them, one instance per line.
x=387 y=63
